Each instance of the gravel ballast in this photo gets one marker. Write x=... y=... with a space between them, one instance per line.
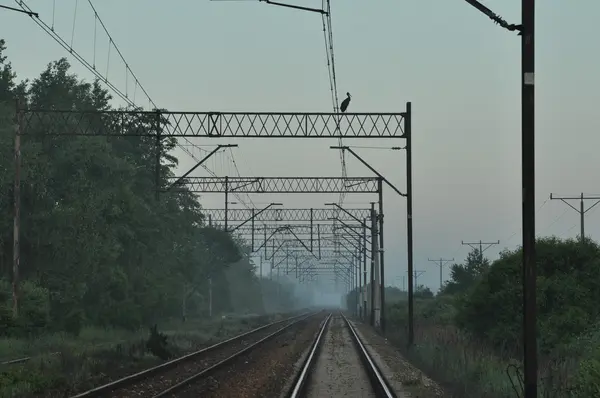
x=401 y=374
x=338 y=371
x=264 y=370
x=164 y=379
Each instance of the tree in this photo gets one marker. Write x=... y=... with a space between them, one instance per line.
x=96 y=247
x=393 y=294
x=463 y=276
x=567 y=291
x=423 y=292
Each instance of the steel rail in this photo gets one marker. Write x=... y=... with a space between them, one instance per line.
x=147 y=373
x=300 y=383
x=378 y=382
x=179 y=386
x=24 y=359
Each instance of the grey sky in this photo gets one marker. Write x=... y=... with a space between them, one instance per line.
x=460 y=71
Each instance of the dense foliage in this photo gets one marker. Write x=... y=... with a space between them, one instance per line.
x=392 y=295
x=568 y=294
x=97 y=248
x=471 y=331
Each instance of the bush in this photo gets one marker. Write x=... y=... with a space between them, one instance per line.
x=469 y=336
x=34 y=310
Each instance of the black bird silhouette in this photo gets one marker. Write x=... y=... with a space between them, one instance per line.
x=345 y=103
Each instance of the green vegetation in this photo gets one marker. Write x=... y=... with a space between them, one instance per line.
x=61 y=365
x=102 y=260
x=469 y=336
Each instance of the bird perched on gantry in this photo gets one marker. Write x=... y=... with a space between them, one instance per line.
x=345 y=103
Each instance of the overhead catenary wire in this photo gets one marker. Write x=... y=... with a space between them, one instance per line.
x=92 y=67
x=129 y=71
x=329 y=51
x=114 y=44
x=50 y=31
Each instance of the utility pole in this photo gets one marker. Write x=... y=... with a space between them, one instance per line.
x=526 y=30
x=474 y=245
x=210 y=298
x=582 y=210
x=17 y=211
x=416 y=275
x=157 y=156
x=374 y=264
x=364 y=288
x=530 y=357
x=409 y=220
x=226 y=191
x=441 y=262
x=381 y=256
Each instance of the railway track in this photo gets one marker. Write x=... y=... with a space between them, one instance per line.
x=378 y=386
x=166 y=379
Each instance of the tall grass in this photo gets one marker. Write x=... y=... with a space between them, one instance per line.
x=65 y=364
x=470 y=368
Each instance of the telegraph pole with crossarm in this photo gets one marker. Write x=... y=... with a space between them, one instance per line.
x=582 y=210
x=481 y=243
x=441 y=262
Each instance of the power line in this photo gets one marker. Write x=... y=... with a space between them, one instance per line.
x=537 y=212
x=49 y=29
x=30 y=13
x=474 y=245
x=92 y=66
x=328 y=36
x=416 y=274
x=127 y=68
x=557 y=219
x=441 y=262
x=582 y=210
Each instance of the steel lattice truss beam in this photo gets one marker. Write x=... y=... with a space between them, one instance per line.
x=326 y=253
x=326 y=269
x=287 y=264
x=330 y=241
x=320 y=270
x=299 y=229
x=214 y=124
x=325 y=243
x=296 y=244
x=278 y=184
x=287 y=215
x=287 y=241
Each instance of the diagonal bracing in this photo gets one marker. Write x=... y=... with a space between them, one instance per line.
x=299 y=229
x=214 y=124
x=288 y=215
x=278 y=184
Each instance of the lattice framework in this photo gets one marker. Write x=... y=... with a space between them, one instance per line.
x=267 y=185
x=214 y=124
x=299 y=229
x=286 y=215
